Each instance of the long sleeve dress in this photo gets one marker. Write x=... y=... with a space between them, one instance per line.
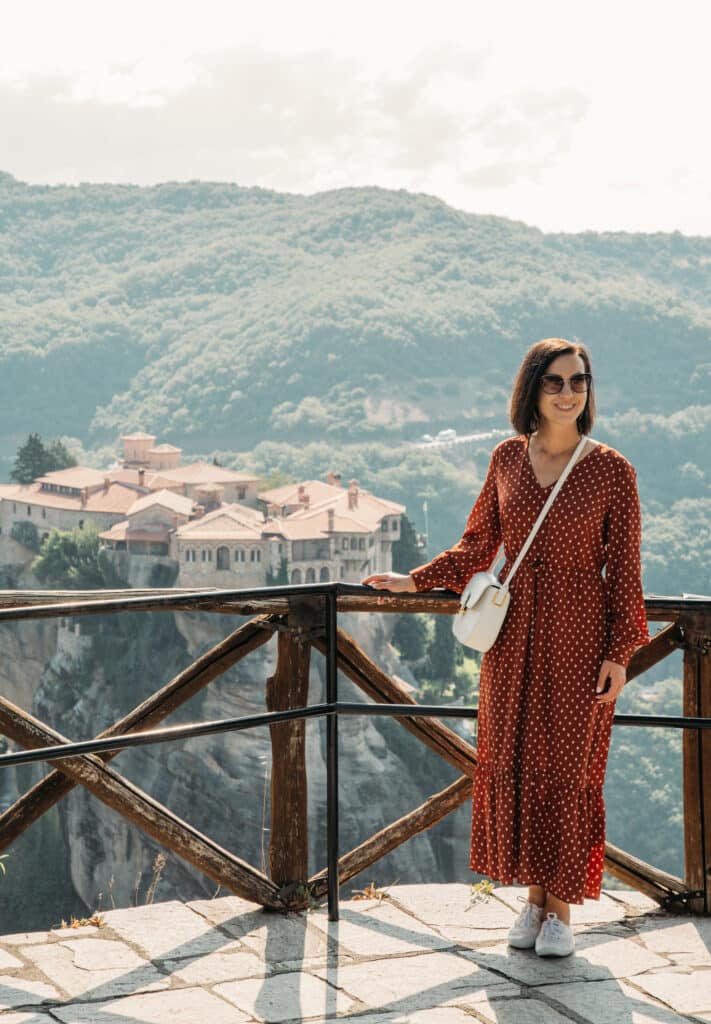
x=538 y=814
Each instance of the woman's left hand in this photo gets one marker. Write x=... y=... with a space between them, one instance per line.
x=618 y=677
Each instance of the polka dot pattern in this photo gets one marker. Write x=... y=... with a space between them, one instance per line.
x=543 y=741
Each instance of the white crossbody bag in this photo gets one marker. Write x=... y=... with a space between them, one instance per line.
x=485 y=601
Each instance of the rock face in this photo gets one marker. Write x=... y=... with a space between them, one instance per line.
x=220 y=784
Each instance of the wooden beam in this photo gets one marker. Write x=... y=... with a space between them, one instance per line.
x=642 y=876
x=662 y=644
x=412 y=824
x=157 y=821
x=49 y=790
x=696 y=754
x=288 y=839
x=161 y=603
x=381 y=688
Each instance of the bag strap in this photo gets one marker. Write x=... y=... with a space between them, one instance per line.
x=544 y=511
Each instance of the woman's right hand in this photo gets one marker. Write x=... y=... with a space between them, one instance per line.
x=396 y=582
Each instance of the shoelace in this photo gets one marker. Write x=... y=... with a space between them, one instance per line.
x=526 y=916
x=554 y=924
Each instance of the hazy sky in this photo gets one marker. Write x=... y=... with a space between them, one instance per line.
x=563 y=115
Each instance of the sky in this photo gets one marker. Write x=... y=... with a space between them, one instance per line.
x=566 y=116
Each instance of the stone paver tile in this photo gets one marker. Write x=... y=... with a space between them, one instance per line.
x=167 y=930
x=223 y=908
x=591 y=911
x=684 y=940
x=285 y=940
x=75 y=933
x=8 y=961
x=23 y=1017
x=610 y=1002
x=444 y=1015
x=226 y=965
x=449 y=909
x=632 y=898
x=685 y=993
x=524 y=1010
x=293 y=996
x=596 y=957
x=24 y=992
x=377 y=928
x=103 y=967
x=186 y=1006
x=416 y=982
x=25 y=938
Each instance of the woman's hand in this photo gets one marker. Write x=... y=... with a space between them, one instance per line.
x=618 y=677
x=393 y=581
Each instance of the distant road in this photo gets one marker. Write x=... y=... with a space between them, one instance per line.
x=462 y=439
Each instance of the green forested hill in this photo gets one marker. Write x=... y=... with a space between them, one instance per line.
x=286 y=332
x=217 y=316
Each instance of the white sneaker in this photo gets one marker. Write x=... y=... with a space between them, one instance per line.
x=526 y=926
x=555 y=938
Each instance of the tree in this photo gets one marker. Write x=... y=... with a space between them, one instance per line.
x=25 y=533
x=409 y=636
x=442 y=655
x=406 y=551
x=34 y=459
x=280 y=578
x=75 y=560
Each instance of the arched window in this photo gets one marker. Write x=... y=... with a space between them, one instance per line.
x=296 y=576
x=324 y=576
x=223 y=558
x=310 y=575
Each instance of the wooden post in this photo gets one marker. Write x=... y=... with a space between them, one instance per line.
x=289 y=688
x=697 y=760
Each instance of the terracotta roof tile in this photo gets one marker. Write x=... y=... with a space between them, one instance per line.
x=74 y=476
x=204 y=472
x=166 y=499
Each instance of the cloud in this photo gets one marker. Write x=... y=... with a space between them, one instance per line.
x=296 y=122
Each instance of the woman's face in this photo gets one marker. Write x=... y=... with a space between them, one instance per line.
x=563 y=409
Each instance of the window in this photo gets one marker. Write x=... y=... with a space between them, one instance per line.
x=44 y=513
x=354 y=543
x=324 y=576
x=187 y=556
x=255 y=555
x=223 y=559
x=241 y=493
x=310 y=575
x=361 y=543
x=239 y=555
x=29 y=510
x=296 y=576
x=385 y=526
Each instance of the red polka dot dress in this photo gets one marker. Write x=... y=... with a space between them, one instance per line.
x=538 y=815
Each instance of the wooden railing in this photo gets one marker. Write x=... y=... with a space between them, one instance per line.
x=306 y=617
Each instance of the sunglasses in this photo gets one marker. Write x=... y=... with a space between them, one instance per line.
x=552 y=383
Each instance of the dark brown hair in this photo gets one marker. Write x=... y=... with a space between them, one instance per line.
x=524 y=399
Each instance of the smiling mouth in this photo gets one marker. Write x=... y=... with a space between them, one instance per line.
x=565 y=408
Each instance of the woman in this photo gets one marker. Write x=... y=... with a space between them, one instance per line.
x=548 y=685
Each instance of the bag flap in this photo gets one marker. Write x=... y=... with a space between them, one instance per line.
x=476 y=587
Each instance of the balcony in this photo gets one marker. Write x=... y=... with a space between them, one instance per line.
x=645 y=951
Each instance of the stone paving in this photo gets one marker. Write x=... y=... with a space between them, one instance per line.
x=423 y=954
